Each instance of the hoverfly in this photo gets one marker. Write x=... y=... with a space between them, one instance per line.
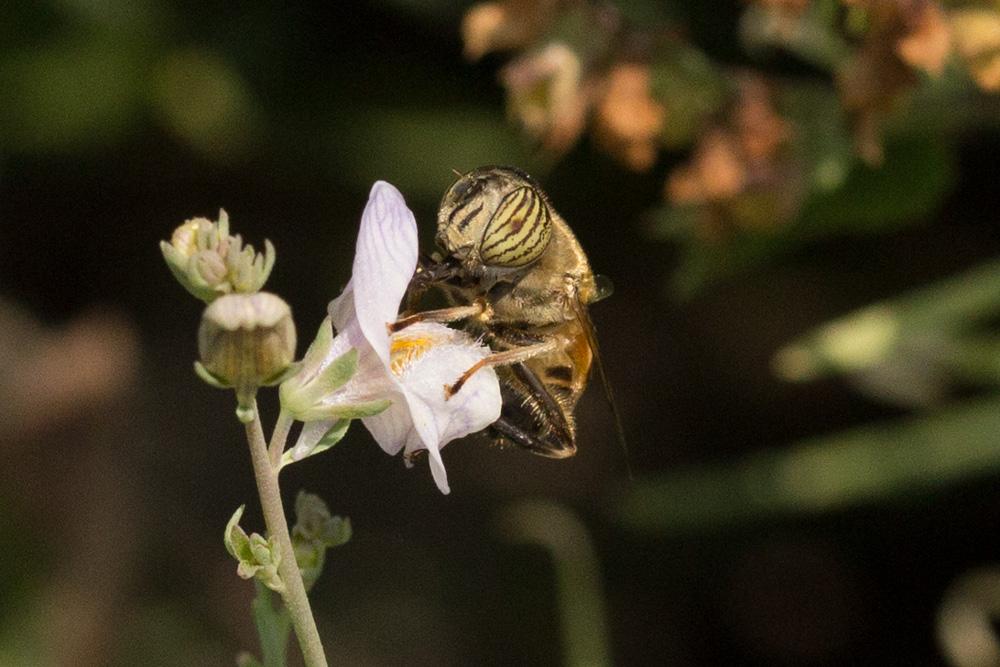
x=512 y=269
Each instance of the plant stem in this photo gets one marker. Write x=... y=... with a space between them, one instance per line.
x=294 y=595
x=279 y=436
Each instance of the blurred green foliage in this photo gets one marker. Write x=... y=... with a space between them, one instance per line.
x=879 y=463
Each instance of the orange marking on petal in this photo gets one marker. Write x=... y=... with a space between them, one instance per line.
x=404 y=351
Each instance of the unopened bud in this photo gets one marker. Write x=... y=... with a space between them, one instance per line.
x=211 y=268
x=209 y=262
x=247 y=341
x=185 y=237
x=314 y=532
x=257 y=556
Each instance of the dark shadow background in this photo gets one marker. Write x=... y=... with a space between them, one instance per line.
x=113 y=511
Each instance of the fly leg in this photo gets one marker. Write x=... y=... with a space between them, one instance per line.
x=507 y=357
x=552 y=446
x=451 y=314
x=431 y=271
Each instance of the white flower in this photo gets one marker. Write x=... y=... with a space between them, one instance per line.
x=409 y=369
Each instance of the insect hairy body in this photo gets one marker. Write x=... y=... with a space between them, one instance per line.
x=512 y=268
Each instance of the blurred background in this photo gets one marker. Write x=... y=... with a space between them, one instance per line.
x=795 y=199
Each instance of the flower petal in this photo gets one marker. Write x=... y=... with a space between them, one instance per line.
x=341 y=309
x=392 y=428
x=438 y=472
x=426 y=436
x=384 y=262
x=438 y=419
x=473 y=408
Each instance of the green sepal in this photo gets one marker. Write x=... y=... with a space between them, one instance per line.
x=236 y=540
x=339 y=371
x=208 y=377
x=222 y=223
x=198 y=286
x=176 y=262
x=305 y=401
x=304 y=389
x=352 y=411
x=183 y=270
x=264 y=264
x=334 y=435
x=283 y=375
x=241 y=269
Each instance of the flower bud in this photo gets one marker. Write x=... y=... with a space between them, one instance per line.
x=257 y=556
x=185 y=237
x=211 y=268
x=314 y=532
x=209 y=262
x=246 y=341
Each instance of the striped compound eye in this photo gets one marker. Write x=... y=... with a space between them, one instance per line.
x=518 y=232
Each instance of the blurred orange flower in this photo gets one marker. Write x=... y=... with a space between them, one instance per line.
x=927 y=42
x=716 y=172
x=728 y=159
x=546 y=95
x=977 y=41
x=741 y=173
x=628 y=120
x=508 y=24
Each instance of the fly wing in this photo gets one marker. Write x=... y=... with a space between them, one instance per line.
x=591 y=332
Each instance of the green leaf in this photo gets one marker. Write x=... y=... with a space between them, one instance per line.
x=67 y=93
x=878 y=463
x=702 y=263
x=273 y=627
x=686 y=82
x=915 y=177
x=816 y=38
x=822 y=140
x=923 y=335
x=428 y=142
